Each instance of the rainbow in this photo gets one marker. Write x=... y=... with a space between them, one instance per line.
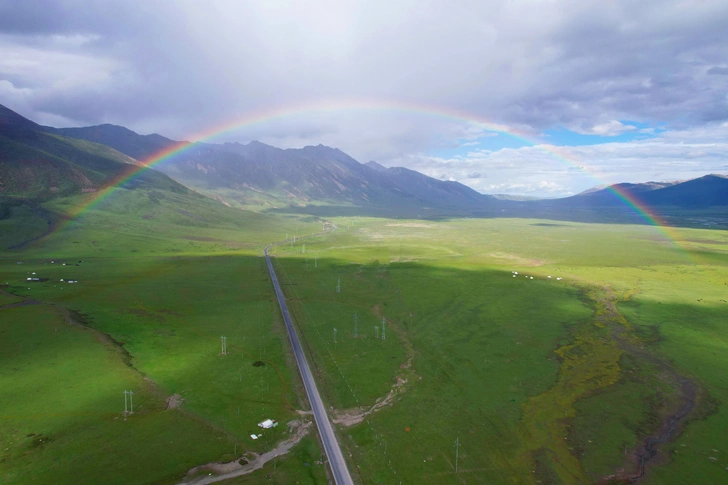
x=367 y=105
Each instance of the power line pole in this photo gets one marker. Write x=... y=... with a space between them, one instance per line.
x=384 y=329
x=356 y=325
x=457 y=448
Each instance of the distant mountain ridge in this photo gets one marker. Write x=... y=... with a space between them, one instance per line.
x=121 y=139
x=700 y=193
x=257 y=173
x=41 y=165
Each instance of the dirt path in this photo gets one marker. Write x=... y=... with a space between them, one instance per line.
x=673 y=413
x=24 y=301
x=244 y=465
x=592 y=362
x=350 y=417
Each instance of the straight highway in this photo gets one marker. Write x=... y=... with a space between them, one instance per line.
x=328 y=438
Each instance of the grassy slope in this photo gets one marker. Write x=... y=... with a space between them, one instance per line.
x=164 y=274
x=526 y=373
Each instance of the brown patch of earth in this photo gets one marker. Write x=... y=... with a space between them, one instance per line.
x=350 y=417
x=174 y=401
x=247 y=463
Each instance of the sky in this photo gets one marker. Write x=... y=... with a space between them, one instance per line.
x=542 y=98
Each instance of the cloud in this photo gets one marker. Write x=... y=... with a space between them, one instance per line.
x=718 y=71
x=184 y=67
x=547 y=170
x=610 y=128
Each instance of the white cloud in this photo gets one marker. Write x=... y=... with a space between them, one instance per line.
x=548 y=170
x=610 y=128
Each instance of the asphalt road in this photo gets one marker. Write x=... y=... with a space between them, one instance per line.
x=331 y=445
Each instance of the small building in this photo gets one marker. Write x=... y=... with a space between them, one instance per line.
x=268 y=423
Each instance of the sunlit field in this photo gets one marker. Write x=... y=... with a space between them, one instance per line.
x=531 y=378
x=137 y=300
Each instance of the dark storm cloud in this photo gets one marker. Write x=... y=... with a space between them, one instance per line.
x=181 y=67
x=718 y=71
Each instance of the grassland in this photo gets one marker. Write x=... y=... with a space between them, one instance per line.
x=160 y=276
x=540 y=381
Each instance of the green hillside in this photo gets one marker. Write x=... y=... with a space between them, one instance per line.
x=41 y=166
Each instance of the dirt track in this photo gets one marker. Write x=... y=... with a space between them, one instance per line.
x=673 y=414
x=224 y=471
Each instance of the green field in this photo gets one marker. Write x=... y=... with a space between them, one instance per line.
x=539 y=380
x=155 y=288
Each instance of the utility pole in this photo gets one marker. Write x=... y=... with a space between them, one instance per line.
x=384 y=329
x=457 y=448
x=356 y=325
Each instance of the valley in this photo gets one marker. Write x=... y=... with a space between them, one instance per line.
x=454 y=337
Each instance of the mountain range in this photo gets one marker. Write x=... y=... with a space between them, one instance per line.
x=41 y=161
x=263 y=175
x=700 y=193
x=35 y=163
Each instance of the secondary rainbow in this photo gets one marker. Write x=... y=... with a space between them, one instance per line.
x=365 y=105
